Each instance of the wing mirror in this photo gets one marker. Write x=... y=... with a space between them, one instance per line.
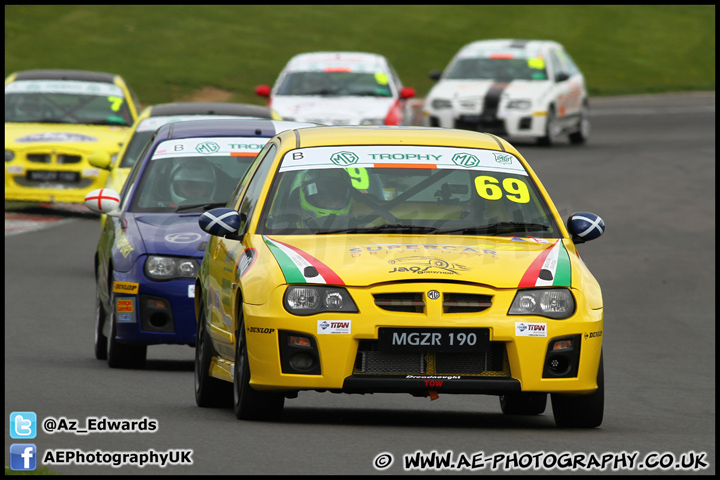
x=104 y=200
x=262 y=90
x=585 y=226
x=100 y=160
x=407 y=92
x=435 y=74
x=221 y=222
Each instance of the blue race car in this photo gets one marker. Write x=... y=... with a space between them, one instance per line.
x=150 y=251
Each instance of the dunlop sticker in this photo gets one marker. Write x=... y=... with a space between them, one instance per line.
x=126 y=287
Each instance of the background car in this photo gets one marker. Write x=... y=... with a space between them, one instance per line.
x=150 y=249
x=459 y=277
x=54 y=119
x=155 y=116
x=340 y=88
x=513 y=88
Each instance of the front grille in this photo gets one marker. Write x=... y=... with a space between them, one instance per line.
x=69 y=158
x=400 y=302
x=38 y=157
x=465 y=302
x=371 y=361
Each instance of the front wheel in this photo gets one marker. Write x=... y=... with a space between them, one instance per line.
x=121 y=355
x=581 y=411
x=209 y=391
x=250 y=404
x=550 y=129
x=581 y=135
x=101 y=340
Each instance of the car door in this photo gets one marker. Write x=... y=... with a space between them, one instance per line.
x=227 y=253
x=561 y=88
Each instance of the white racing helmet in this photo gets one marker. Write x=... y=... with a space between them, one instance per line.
x=192 y=182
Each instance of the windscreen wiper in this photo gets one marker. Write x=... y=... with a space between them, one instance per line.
x=204 y=206
x=497 y=228
x=385 y=228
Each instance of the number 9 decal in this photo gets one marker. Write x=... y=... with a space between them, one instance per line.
x=488 y=188
x=359 y=177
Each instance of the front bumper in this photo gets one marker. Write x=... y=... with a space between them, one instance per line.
x=159 y=313
x=513 y=124
x=348 y=360
x=51 y=173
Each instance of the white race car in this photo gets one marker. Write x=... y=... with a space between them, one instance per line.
x=514 y=88
x=340 y=88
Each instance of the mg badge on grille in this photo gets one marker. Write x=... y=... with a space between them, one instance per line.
x=433 y=294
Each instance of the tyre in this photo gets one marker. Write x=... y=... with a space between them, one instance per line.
x=582 y=133
x=101 y=347
x=250 y=404
x=210 y=392
x=581 y=411
x=523 y=403
x=550 y=129
x=121 y=355
x=100 y=319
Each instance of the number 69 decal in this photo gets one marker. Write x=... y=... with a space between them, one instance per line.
x=515 y=190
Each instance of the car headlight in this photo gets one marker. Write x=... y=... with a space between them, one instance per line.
x=311 y=299
x=9 y=155
x=372 y=121
x=519 y=104
x=167 y=268
x=555 y=303
x=441 y=103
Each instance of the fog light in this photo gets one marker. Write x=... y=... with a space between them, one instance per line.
x=302 y=361
x=562 y=345
x=559 y=365
x=156 y=314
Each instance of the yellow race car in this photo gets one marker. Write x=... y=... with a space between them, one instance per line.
x=397 y=260
x=54 y=119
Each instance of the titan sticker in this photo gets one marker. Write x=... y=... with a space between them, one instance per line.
x=333 y=327
x=126 y=287
x=523 y=329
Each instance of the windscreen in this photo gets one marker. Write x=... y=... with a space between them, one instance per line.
x=336 y=82
x=513 y=64
x=405 y=189
x=194 y=174
x=59 y=101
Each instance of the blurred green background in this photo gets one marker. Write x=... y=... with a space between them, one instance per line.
x=167 y=53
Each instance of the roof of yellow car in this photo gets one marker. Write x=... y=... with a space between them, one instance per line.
x=373 y=135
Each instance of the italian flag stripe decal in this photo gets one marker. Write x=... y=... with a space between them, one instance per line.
x=293 y=262
x=550 y=269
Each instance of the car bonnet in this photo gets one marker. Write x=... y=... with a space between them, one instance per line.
x=330 y=109
x=83 y=137
x=360 y=260
x=450 y=89
x=171 y=234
